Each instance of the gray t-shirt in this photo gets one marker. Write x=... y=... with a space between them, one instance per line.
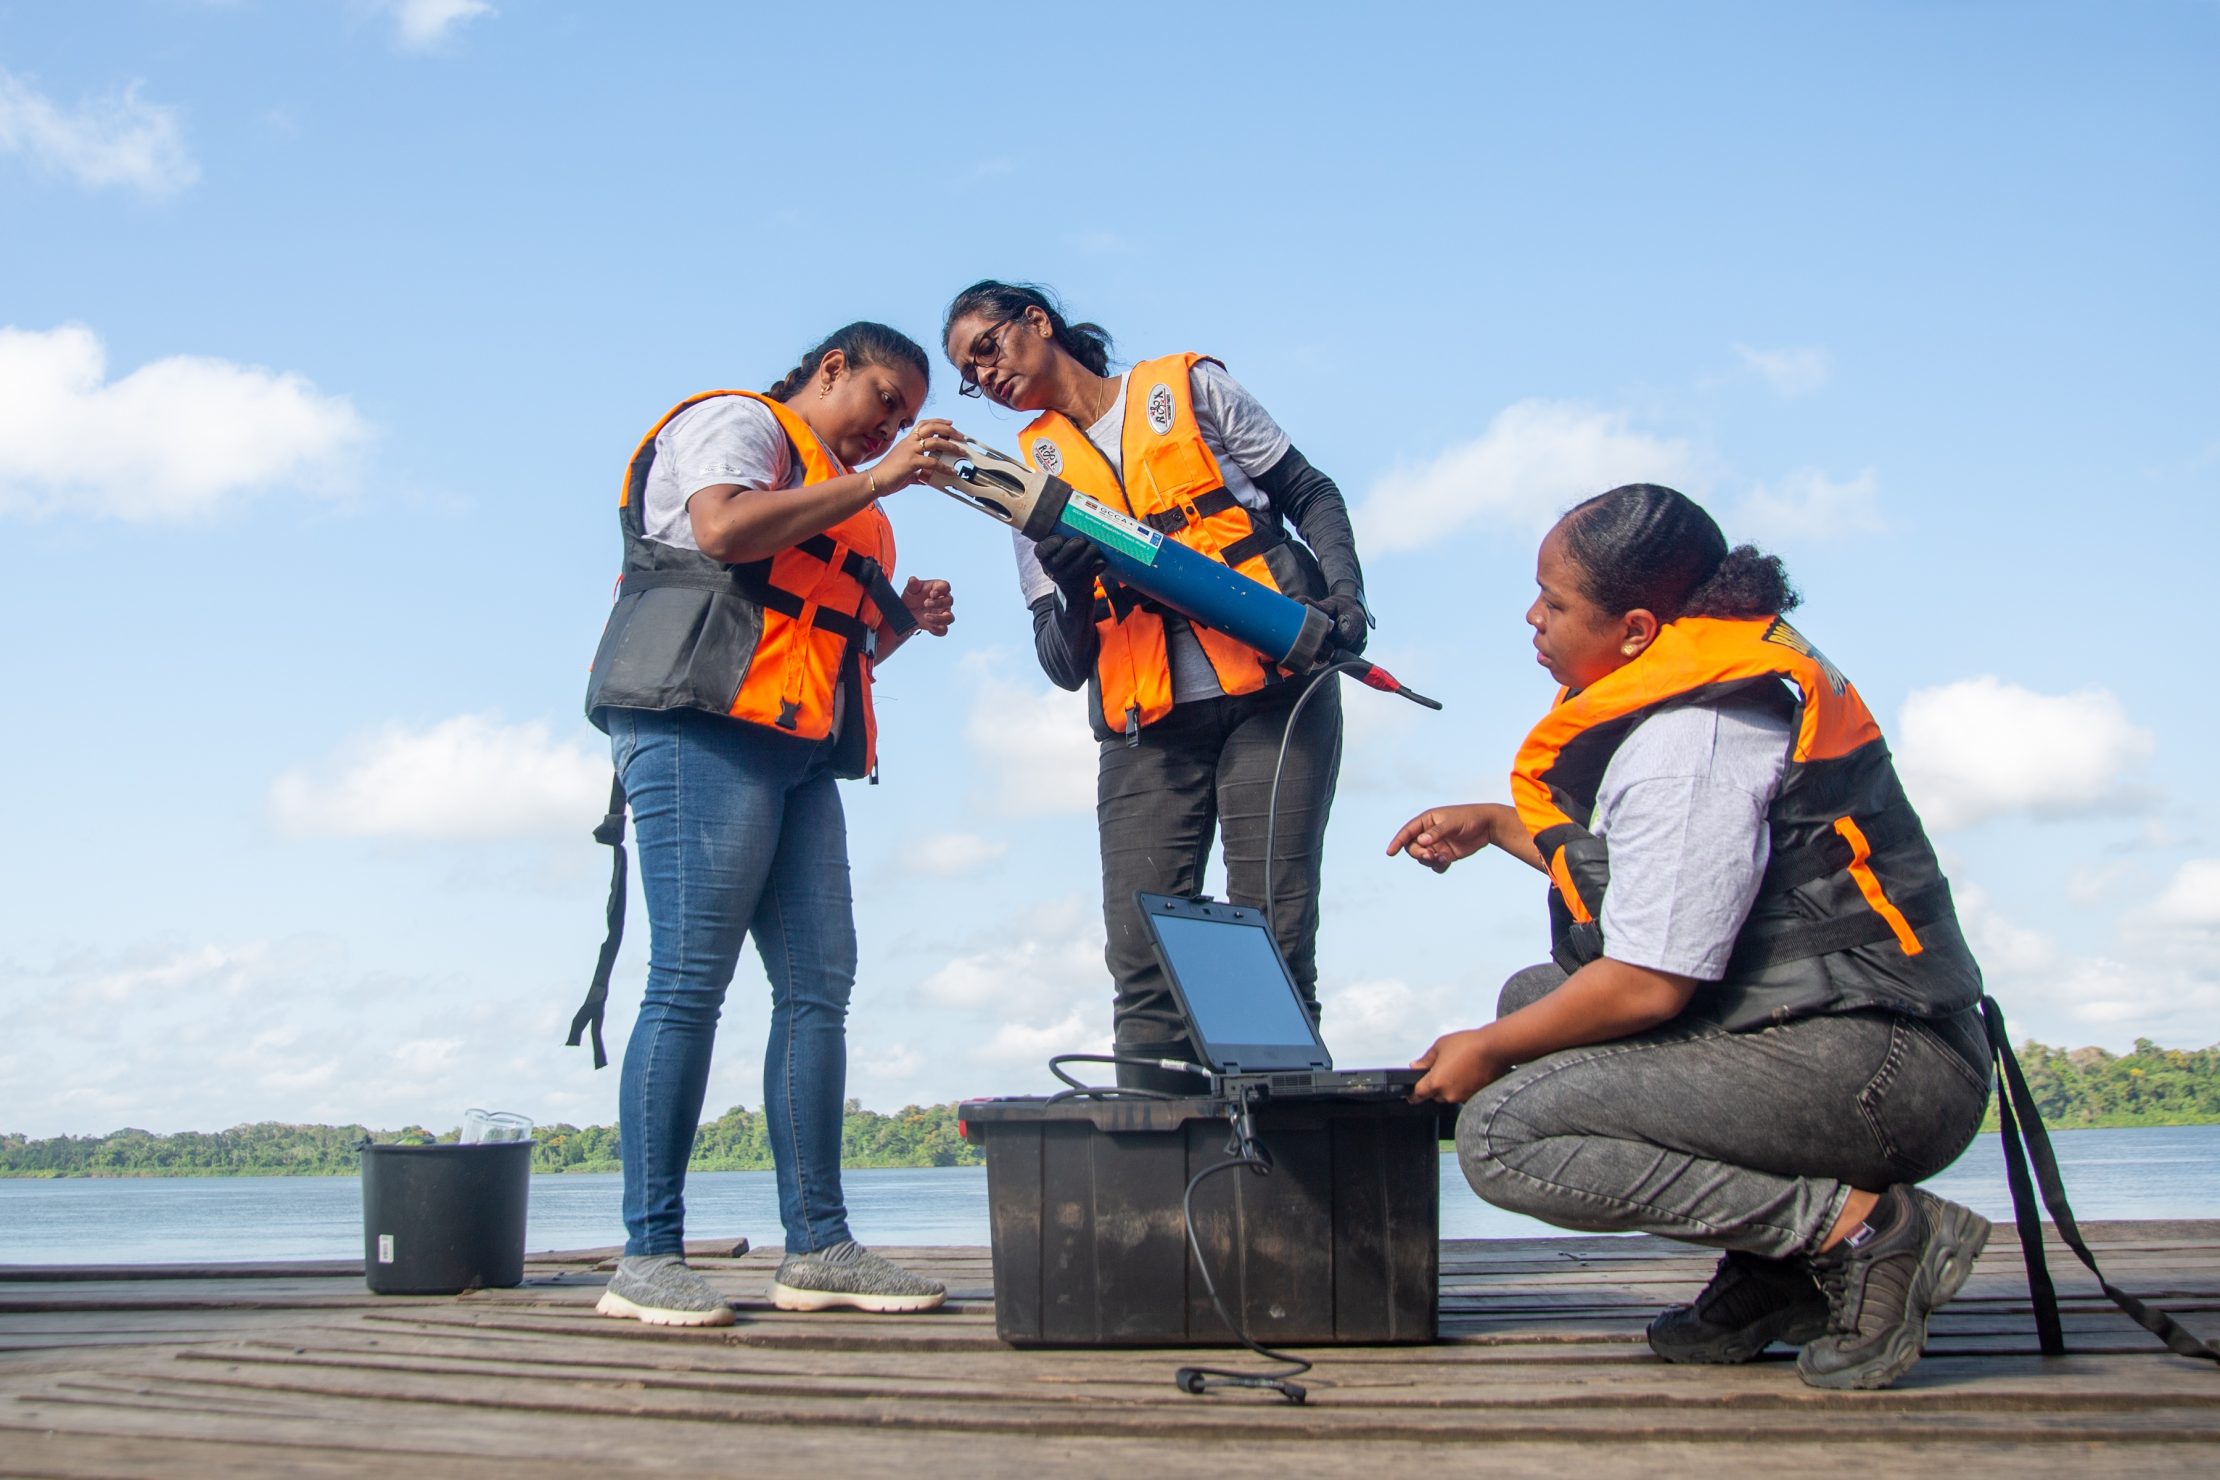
x=730 y=439
x=1683 y=807
x=1244 y=439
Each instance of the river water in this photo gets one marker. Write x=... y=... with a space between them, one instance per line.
x=2170 y=1172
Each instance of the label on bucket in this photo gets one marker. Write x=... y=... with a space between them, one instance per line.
x=385 y=1248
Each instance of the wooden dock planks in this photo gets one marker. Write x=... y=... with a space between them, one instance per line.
x=298 y=1370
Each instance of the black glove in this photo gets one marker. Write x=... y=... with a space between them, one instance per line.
x=1072 y=563
x=1352 y=624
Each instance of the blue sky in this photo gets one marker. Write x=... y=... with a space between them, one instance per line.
x=326 y=327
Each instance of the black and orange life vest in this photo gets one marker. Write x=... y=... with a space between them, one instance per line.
x=773 y=642
x=1171 y=482
x=1853 y=910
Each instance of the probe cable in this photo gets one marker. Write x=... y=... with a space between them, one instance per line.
x=1079 y=1091
x=1242 y=1150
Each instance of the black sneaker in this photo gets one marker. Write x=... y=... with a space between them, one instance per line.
x=1882 y=1288
x=1750 y=1303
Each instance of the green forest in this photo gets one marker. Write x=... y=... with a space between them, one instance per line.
x=915 y=1136
x=2077 y=1088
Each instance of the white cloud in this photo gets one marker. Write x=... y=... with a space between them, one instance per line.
x=121 y=140
x=2158 y=977
x=1535 y=459
x=468 y=778
x=421 y=1056
x=175 y=438
x=953 y=855
x=1808 y=505
x=1787 y=372
x=1032 y=743
x=2192 y=897
x=1380 y=1023
x=1054 y=957
x=1022 y=1043
x=1982 y=748
x=423 y=25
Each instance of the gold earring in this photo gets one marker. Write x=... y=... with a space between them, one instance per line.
x=1628 y=650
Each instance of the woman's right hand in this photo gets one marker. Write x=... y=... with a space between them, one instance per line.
x=1439 y=836
x=913 y=458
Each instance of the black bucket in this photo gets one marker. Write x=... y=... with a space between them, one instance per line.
x=438 y=1220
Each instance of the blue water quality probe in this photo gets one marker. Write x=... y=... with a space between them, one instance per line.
x=1293 y=634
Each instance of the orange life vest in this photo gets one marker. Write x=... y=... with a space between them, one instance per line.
x=1853 y=910
x=772 y=642
x=1171 y=482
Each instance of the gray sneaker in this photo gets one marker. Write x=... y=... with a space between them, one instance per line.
x=1881 y=1289
x=660 y=1290
x=848 y=1274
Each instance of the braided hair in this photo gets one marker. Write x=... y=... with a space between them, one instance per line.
x=860 y=343
x=1646 y=546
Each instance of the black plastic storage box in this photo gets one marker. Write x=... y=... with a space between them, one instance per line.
x=441 y=1219
x=1340 y=1244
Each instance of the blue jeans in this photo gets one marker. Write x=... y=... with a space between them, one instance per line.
x=739 y=832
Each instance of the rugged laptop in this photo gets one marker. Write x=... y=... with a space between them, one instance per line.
x=1246 y=1018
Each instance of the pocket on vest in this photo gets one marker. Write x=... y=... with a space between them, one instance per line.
x=673 y=647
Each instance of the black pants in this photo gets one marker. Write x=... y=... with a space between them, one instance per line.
x=1206 y=767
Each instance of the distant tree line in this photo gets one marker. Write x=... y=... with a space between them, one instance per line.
x=736 y=1141
x=2082 y=1087
x=2148 y=1085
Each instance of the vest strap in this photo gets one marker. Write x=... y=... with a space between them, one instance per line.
x=745 y=583
x=591 y=1012
x=1831 y=854
x=866 y=573
x=1799 y=941
x=2025 y=1141
x=1259 y=539
x=1173 y=520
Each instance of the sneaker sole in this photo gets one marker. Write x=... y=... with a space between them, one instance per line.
x=613 y=1304
x=1959 y=1236
x=1735 y=1347
x=789 y=1297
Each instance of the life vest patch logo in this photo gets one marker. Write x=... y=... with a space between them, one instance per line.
x=1788 y=637
x=1046 y=457
x=1160 y=409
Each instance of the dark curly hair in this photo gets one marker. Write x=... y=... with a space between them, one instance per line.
x=861 y=343
x=1089 y=344
x=1644 y=545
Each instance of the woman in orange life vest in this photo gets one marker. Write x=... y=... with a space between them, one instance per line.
x=1190 y=722
x=1761 y=1026
x=734 y=680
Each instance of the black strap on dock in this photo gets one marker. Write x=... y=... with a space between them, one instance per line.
x=596 y=1004
x=2026 y=1141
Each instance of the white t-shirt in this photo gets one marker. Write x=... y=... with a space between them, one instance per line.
x=1246 y=442
x=1683 y=807
x=730 y=439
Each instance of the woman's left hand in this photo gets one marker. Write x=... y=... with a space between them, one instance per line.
x=1458 y=1066
x=933 y=603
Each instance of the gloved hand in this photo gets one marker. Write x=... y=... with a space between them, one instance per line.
x=1072 y=563
x=1352 y=626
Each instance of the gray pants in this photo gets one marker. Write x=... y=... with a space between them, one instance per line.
x=1159 y=805
x=1748 y=1141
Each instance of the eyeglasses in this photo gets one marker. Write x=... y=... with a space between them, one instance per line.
x=985 y=350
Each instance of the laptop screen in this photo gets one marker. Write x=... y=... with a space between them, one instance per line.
x=1237 y=990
